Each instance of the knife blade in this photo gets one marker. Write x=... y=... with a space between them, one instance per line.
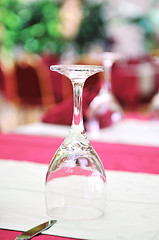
x=36 y=230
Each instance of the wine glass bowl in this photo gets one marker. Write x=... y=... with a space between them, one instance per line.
x=104 y=108
x=76 y=181
x=154 y=103
x=154 y=107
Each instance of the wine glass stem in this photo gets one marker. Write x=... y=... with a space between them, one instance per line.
x=107 y=79
x=77 y=108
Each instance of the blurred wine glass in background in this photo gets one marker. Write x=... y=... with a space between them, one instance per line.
x=104 y=109
x=154 y=104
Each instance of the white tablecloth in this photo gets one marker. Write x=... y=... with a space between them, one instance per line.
x=132 y=211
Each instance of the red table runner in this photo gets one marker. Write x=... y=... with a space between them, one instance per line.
x=122 y=157
x=114 y=156
x=11 y=235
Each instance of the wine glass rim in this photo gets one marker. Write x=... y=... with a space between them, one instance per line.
x=70 y=67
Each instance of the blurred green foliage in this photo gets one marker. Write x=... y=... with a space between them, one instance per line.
x=148 y=26
x=93 y=25
x=34 y=26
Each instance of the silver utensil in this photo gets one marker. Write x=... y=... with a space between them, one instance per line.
x=36 y=230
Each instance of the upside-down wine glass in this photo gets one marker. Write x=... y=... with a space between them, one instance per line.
x=76 y=181
x=104 y=108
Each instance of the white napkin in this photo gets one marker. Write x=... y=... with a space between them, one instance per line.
x=132 y=210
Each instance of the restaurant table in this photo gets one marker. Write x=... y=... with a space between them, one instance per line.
x=129 y=151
